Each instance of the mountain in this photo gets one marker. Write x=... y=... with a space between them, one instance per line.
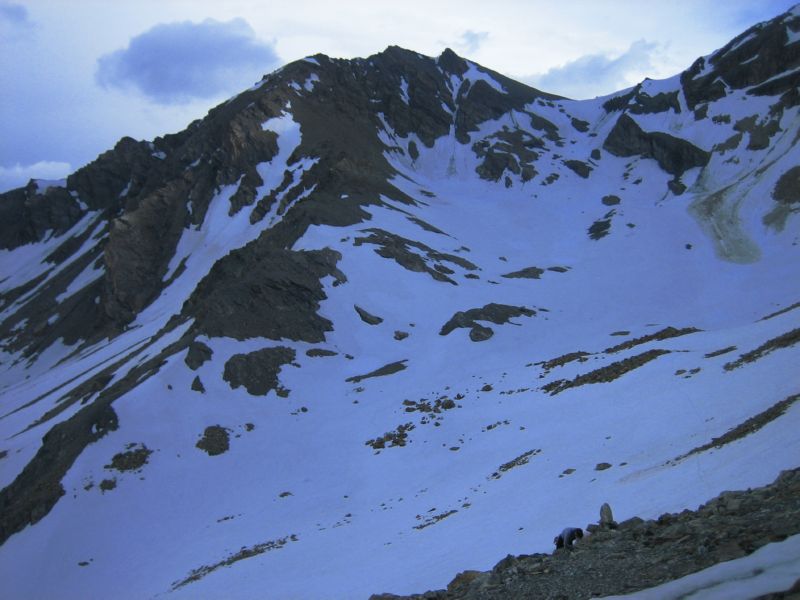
x=373 y=322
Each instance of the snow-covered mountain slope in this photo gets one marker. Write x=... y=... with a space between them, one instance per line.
x=374 y=322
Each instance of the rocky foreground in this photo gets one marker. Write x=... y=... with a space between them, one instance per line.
x=641 y=554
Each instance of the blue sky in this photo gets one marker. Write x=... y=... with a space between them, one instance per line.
x=78 y=75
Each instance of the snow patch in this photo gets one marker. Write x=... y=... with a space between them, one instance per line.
x=474 y=74
x=772 y=568
x=743 y=41
x=404 y=91
x=309 y=84
x=86 y=277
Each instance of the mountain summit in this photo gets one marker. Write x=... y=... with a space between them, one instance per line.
x=376 y=321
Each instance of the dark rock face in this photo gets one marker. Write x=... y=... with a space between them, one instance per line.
x=401 y=250
x=133 y=459
x=139 y=248
x=611 y=200
x=638 y=554
x=74 y=318
x=580 y=125
x=368 y=318
x=787 y=189
x=37 y=489
x=511 y=151
x=258 y=291
x=674 y=155
x=640 y=102
x=258 y=371
x=389 y=369
x=760 y=130
x=602 y=227
x=319 y=353
x=26 y=215
x=131 y=166
x=429 y=86
x=604 y=374
x=676 y=186
x=579 y=167
x=751 y=58
x=526 y=273
x=215 y=440
x=495 y=313
x=197 y=385
x=197 y=354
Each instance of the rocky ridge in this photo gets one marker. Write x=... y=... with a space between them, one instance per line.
x=346 y=249
x=639 y=554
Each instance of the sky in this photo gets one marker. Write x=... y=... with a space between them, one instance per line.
x=77 y=75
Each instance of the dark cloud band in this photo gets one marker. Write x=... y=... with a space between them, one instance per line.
x=13 y=13
x=176 y=63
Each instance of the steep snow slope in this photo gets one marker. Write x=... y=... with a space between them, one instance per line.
x=366 y=307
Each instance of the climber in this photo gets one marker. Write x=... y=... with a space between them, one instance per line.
x=566 y=537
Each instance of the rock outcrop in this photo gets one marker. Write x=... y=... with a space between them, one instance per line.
x=672 y=154
x=639 y=554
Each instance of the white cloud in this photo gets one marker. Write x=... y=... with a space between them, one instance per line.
x=597 y=74
x=18 y=175
x=472 y=40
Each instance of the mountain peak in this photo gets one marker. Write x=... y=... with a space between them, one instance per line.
x=452 y=62
x=381 y=299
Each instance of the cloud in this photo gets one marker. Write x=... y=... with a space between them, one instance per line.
x=176 y=63
x=15 y=23
x=18 y=175
x=16 y=14
x=597 y=74
x=472 y=40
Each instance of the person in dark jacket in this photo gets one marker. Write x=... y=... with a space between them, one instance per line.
x=566 y=537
